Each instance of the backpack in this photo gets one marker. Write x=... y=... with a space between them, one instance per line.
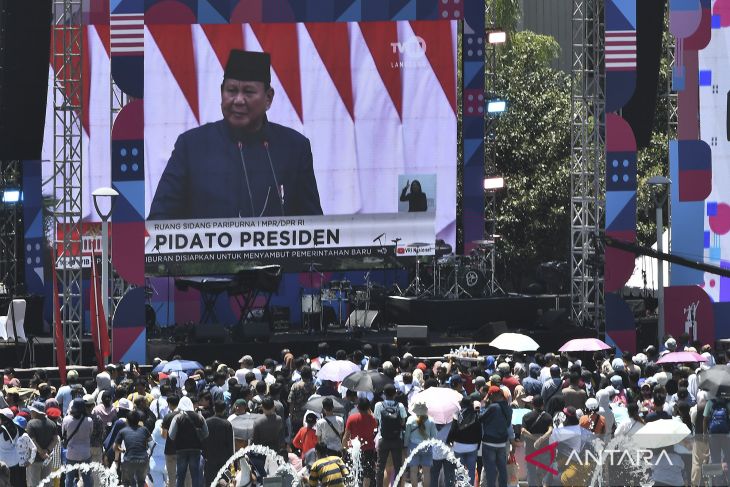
x=391 y=423
x=719 y=419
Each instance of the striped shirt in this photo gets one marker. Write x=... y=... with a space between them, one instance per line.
x=328 y=472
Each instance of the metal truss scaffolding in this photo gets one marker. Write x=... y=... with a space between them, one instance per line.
x=67 y=99
x=587 y=163
x=11 y=228
x=490 y=156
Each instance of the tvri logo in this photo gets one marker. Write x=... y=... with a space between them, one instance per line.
x=607 y=457
x=413 y=48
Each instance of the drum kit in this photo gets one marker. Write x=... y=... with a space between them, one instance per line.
x=337 y=292
x=451 y=276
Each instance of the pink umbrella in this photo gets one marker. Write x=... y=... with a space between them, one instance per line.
x=681 y=358
x=584 y=345
x=442 y=403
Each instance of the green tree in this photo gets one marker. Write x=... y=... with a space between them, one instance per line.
x=532 y=150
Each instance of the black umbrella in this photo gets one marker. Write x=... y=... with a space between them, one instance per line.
x=315 y=404
x=366 y=381
x=716 y=380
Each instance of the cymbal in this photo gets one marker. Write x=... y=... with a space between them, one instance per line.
x=483 y=242
x=420 y=244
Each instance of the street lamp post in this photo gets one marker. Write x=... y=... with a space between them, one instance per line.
x=660 y=198
x=98 y=194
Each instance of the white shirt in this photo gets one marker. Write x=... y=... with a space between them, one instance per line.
x=326 y=433
x=241 y=375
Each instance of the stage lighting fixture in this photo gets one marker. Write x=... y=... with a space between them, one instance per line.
x=11 y=196
x=496 y=106
x=493 y=183
x=496 y=37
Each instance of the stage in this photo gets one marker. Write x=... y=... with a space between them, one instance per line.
x=443 y=315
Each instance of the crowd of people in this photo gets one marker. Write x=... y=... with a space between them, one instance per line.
x=180 y=428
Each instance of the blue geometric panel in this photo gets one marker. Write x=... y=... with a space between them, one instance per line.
x=132 y=192
x=711 y=208
x=128 y=160
x=127 y=6
x=620 y=14
x=375 y=10
x=404 y=10
x=348 y=10
x=213 y=12
x=620 y=210
x=705 y=77
x=620 y=171
x=321 y=11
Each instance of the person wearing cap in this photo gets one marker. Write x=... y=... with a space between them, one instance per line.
x=76 y=430
x=26 y=447
x=552 y=386
x=44 y=434
x=243 y=165
x=124 y=407
x=98 y=433
x=670 y=345
x=419 y=428
x=532 y=383
x=592 y=420
x=508 y=379
x=64 y=396
x=496 y=420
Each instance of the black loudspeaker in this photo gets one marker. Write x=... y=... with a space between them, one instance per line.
x=210 y=334
x=554 y=319
x=280 y=317
x=490 y=331
x=24 y=55
x=256 y=330
x=34 y=316
x=363 y=319
x=412 y=333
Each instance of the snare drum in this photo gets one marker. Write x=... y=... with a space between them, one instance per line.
x=311 y=303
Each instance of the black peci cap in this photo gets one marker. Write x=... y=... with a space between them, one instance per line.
x=248 y=66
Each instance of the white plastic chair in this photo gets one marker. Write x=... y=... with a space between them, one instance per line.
x=13 y=324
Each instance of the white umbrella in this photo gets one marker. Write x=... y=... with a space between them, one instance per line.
x=660 y=434
x=516 y=342
x=337 y=370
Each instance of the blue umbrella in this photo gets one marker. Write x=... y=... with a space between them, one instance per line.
x=177 y=366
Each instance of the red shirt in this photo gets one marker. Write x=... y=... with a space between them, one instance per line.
x=305 y=440
x=363 y=426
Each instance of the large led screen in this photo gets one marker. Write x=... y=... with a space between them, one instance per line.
x=353 y=166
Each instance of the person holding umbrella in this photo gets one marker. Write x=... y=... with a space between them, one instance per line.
x=419 y=428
